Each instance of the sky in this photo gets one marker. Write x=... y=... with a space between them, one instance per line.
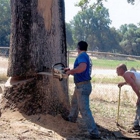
x=120 y=11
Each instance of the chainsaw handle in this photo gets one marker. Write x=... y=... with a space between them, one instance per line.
x=58 y=64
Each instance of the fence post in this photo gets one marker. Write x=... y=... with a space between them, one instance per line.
x=68 y=58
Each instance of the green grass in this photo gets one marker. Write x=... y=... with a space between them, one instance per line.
x=111 y=64
x=107 y=80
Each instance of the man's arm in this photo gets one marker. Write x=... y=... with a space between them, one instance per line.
x=79 y=69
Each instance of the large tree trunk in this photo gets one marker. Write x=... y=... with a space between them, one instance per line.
x=37 y=42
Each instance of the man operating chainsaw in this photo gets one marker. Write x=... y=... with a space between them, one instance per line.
x=133 y=79
x=80 y=100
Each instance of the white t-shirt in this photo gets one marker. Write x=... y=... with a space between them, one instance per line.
x=137 y=75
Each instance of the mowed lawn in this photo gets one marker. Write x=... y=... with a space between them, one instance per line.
x=111 y=64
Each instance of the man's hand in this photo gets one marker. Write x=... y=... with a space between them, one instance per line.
x=66 y=69
x=121 y=84
x=68 y=72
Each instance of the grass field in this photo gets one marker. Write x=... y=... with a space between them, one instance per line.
x=98 y=63
x=112 y=64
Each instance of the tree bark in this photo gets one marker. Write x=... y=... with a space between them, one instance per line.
x=38 y=41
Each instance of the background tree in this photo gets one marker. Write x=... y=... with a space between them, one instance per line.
x=37 y=42
x=92 y=25
x=115 y=38
x=69 y=38
x=130 y=39
x=85 y=3
x=5 y=20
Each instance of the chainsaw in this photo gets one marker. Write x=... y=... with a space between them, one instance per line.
x=57 y=71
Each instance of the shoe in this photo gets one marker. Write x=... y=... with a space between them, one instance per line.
x=70 y=119
x=136 y=127
x=93 y=137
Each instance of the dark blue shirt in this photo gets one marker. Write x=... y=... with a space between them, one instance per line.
x=85 y=75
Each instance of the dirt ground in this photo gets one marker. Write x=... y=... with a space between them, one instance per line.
x=17 y=126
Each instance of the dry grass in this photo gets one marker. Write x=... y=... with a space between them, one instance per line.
x=3 y=69
x=108 y=92
x=3 y=62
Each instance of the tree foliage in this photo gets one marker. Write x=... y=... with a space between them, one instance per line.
x=69 y=38
x=130 y=42
x=5 y=20
x=86 y=3
x=92 y=25
x=131 y=1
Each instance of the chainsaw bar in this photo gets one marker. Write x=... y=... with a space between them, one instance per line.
x=56 y=72
x=45 y=73
x=59 y=76
x=50 y=74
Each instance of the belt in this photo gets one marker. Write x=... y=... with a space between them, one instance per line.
x=81 y=83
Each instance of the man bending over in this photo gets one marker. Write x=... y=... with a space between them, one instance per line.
x=133 y=79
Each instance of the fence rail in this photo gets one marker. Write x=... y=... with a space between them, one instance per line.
x=93 y=53
x=4 y=48
x=4 y=51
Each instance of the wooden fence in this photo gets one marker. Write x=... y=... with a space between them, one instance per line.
x=103 y=54
x=4 y=51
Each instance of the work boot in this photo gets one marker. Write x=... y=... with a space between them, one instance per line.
x=93 y=137
x=70 y=119
x=135 y=128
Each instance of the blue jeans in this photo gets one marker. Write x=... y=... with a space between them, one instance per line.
x=137 y=117
x=80 y=102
